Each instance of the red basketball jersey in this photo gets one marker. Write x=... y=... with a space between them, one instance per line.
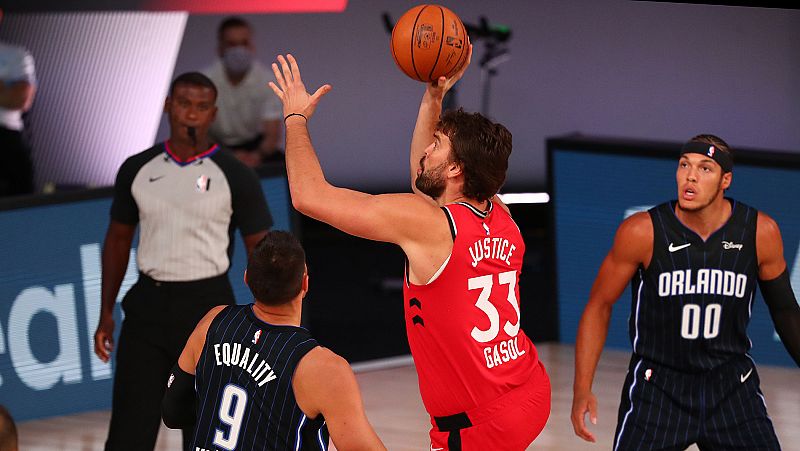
x=463 y=325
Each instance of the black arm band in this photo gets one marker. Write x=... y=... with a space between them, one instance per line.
x=178 y=405
x=778 y=294
x=784 y=311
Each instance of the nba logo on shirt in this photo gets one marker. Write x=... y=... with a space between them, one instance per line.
x=202 y=183
x=711 y=151
x=256 y=336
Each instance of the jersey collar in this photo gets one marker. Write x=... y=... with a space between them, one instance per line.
x=478 y=213
x=211 y=151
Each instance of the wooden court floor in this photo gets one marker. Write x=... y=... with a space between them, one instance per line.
x=395 y=410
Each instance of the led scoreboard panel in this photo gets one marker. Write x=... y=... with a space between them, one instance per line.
x=596 y=183
x=50 y=301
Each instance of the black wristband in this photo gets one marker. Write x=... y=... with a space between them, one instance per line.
x=294 y=114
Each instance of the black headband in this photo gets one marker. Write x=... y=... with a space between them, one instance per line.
x=722 y=158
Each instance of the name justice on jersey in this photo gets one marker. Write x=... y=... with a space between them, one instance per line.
x=704 y=281
x=230 y=354
x=497 y=248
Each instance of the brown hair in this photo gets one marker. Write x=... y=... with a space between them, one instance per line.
x=481 y=148
x=275 y=268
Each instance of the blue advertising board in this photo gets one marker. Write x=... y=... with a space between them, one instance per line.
x=50 y=302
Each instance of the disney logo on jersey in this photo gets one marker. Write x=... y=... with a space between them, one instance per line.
x=731 y=245
x=703 y=281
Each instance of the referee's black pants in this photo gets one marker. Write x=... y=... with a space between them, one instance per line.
x=16 y=166
x=159 y=317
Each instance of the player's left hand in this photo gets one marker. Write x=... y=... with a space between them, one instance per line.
x=291 y=90
x=583 y=403
x=439 y=88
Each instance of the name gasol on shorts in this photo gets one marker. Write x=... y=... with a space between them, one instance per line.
x=703 y=281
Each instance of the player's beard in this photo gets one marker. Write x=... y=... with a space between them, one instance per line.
x=432 y=182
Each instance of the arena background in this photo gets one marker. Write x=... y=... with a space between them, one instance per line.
x=639 y=70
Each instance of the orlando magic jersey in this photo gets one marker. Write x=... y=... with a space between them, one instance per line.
x=244 y=385
x=692 y=304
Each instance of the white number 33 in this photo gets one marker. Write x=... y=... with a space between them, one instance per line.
x=485 y=284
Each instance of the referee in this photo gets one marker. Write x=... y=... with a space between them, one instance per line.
x=188 y=196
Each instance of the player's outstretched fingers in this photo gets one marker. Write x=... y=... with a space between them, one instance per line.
x=295 y=68
x=287 y=72
x=279 y=76
x=276 y=90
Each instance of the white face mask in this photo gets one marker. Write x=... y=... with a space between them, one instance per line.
x=237 y=60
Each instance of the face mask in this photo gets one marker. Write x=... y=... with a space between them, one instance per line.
x=237 y=60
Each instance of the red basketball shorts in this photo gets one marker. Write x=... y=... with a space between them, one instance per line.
x=509 y=423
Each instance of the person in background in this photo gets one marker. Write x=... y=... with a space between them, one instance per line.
x=694 y=264
x=17 y=89
x=187 y=196
x=248 y=118
x=239 y=356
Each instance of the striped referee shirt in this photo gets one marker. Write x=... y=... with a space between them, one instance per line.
x=188 y=210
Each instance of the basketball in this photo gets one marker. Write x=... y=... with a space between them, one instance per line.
x=429 y=41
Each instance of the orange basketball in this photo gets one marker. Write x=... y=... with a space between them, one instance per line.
x=429 y=41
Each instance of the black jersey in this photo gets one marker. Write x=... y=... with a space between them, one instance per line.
x=692 y=304
x=244 y=386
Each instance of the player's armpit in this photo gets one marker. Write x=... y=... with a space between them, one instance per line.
x=324 y=384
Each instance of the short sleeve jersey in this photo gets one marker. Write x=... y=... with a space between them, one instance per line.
x=188 y=210
x=463 y=326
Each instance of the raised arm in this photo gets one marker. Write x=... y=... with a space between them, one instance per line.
x=324 y=384
x=430 y=108
x=403 y=219
x=632 y=247
x=776 y=286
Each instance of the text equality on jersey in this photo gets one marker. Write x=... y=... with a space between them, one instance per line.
x=230 y=354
